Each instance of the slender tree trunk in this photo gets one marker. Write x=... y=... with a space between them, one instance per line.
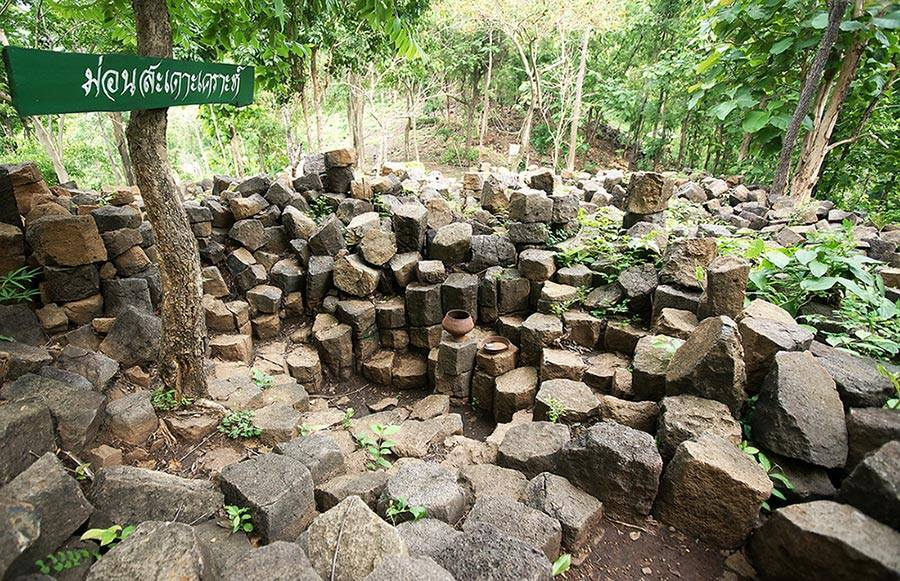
x=183 y=343
x=356 y=109
x=236 y=152
x=215 y=122
x=836 y=10
x=49 y=144
x=317 y=102
x=816 y=146
x=576 y=107
x=110 y=148
x=118 y=125
x=683 y=139
x=200 y=146
x=486 y=96
x=408 y=127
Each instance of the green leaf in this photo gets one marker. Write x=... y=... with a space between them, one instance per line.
x=818 y=284
x=781 y=46
x=778 y=494
x=562 y=564
x=817 y=268
x=778 y=258
x=851 y=25
x=722 y=110
x=819 y=21
x=754 y=121
x=805 y=256
x=708 y=62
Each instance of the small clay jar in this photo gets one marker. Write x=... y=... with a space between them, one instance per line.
x=458 y=322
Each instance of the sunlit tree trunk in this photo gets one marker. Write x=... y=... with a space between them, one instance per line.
x=576 y=107
x=356 y=103
x=317 y=98
x=51 y=148
x=836 y=9
x=486 y=96
x=182 y=347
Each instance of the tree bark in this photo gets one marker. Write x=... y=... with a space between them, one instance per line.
x=836 y=9
x=50 y=147
x=486 y=97
x=317 y=102
x=182 y=347
x=576 y=108
x=356 y=103
x=118 y=126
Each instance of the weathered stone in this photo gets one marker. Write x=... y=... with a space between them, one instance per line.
x=533 y=447
x=573 y=400
x=22 y=527
x=134 y=338
x=132 y=418
x=157 y=550
x=423 y=305
x=868 y=429
x=327 y=239
x=451 y=244
x=683 y=260
x=638 y=283
x=578 y=512
x=491 y=250
x=515 y=390
x=872 y=486
x=685 y=417
x=799 y=413
x=428 y=485
x=824 y=539
x=378 y=246
x=278 y=561
x=397 y=568
x=232 y=347
x=857 y=378
x=763 y=338
x=712 y=490
x=249 y=233
x=66 y=241
x=349 y=541
x=56 y=498
x=26 y=429
x=484 y=553
x=403 y=267
x=20 y=323
x=354 y=277
x=495 y=364
x=537 y=265
x=616 y=464
x=410 y=223
x=129 y=494
x=519 y=521
x=278 y=489
x=710 y=364
x=726 y=287
x=409 y=371
x=336 y=349
x=640 y=415
x=71 y=284
x=648 y=192
x=367 y=486
x=426 y=536
x=527 y=233
x=483 y=480
x=652 y=356
x=675 y=323
x=538 y=331
x=319 y=276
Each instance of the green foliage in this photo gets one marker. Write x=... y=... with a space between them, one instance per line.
x=64 y=559
x=319 y=209
x=828 y=269
x=239 y=424
x=618 y=310
x=240 y=518
x=262 y=379
x=307 y=429
x=562 y=564
x=894 y=402
x=165 y=400
x=378 y=446
x=555 y=410
x=17 y=286
x=459 y=156
x=348 y=417
x=83 y=472
x=108 y=537
x=399 y=508
x=559 y=308
x=780 y=482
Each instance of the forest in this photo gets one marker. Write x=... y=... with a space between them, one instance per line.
x=685 y=86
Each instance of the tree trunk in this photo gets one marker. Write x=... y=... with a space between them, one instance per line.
x=836 y=10
x=110 y=148
x=356 y=103
x=317 y=102
x=682 y=140
x=408 y=127
x=118 y=126
x=215 y=122
x=50 y=148
x=182 y=347
x=576 y=108
x=816 y=146
x=236 y=152
x=486 y=96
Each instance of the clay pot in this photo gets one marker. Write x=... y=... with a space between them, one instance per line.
x=495 y=344
x=458 y=322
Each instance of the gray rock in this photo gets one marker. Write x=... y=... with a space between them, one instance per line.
x=20 y=323
x=857 y=378
x=397 y=568
x=451 y=244
x=574 y=397
x=763 y=338
x=56 y=499
x=518 y=521
x=616 y=464
x=483 y=553
x=868 y=429
x=684 y=258
x=874 y=485
x=126 y=494
x=131 y=418
x=278 y=561
x=78 y=412
x=824 y=540
x=119 y=293
x=367 y=486
x=684 y=417
x=712 y=490
x=489 y=480
x=578 y=512
x=410 y=223
x=710 y=364
x=349 y=541
x=26 y=430
x=530 y=206
x=134 y=338
x=248 y=233
x=491 y=250
x=319 y=452
x=156 y=550
x=327 y=239
x=97 y=368
x=648 y=192
x=21 y=529
x=278 y=490
x=428 y=485
x=224 y=548
x=71 y=284
x=533 y=447
x=355 y=277
x=726 y=287
x=799 y=413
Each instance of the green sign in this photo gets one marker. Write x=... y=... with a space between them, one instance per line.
x=42 y=82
